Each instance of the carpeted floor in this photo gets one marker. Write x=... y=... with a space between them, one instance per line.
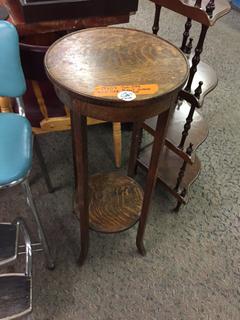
x=192 y=269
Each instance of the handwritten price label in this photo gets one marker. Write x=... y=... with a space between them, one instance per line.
x=113 y=91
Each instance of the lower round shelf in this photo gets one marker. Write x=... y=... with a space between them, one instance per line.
x=115 y=202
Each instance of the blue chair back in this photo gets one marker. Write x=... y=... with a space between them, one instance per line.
x=12 y=81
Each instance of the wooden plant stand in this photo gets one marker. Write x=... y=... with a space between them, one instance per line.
x=97 y=73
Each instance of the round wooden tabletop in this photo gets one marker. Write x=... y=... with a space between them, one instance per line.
x=112 y=66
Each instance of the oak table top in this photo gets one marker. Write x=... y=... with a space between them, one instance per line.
x=96 y=64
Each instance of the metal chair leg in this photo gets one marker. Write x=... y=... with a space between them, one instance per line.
x=42 y=237
x=42 y=165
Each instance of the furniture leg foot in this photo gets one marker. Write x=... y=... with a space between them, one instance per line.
x=140 y=247
x=83 y=256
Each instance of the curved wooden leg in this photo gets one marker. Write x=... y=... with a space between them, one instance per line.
x=117 y=140
x=79 y=136
x=158 y=143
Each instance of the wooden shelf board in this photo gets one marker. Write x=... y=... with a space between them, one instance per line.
x=115 y=202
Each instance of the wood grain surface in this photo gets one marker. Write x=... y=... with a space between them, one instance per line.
x=107 y=57
x=115 y=202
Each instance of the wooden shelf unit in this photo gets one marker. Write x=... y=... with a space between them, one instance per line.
x=179 y=165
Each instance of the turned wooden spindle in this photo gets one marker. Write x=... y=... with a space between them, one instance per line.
x=196 y=58
x=198 y=91
x=155 y=27
x=188 y=26
x=189 y=46
x=187 y=127
x=189 y=119
x=183 y=168
x=210 y=8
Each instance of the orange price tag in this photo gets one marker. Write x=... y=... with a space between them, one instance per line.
x=112 y=91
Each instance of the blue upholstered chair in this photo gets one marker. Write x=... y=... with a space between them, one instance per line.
x=15 y=130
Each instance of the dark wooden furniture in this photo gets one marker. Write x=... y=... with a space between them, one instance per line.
x=187 y=128
x=44 y=10
x=95 y=20
x=115 y=74
x=44 y=110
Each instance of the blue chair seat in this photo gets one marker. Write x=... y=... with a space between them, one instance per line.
x=16 y=141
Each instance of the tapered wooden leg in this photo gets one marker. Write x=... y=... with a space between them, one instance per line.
x=117 y=140
x=135 y=145
x=79 y=136
x=158 y=143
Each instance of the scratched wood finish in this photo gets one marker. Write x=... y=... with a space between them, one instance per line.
x=188 y=9
x=15 y=296
x=82 y=61
x=115 y=202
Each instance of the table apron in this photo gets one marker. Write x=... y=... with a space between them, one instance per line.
x=121 y=113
